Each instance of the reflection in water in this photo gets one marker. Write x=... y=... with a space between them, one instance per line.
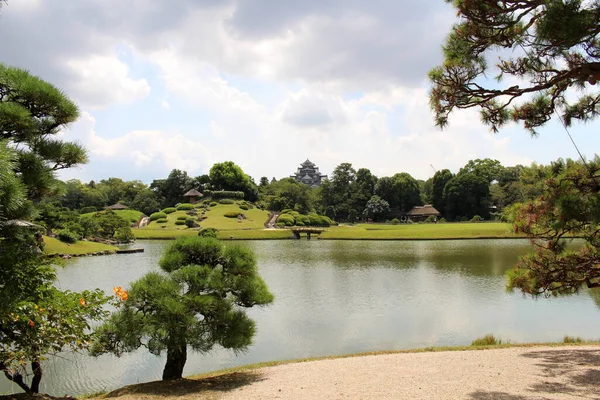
x=337 y=297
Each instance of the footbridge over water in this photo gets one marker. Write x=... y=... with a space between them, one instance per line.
x=308 y=231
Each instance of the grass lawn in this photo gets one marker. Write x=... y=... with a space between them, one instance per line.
x=465 y=230
x=131 y=216
x=55 y=246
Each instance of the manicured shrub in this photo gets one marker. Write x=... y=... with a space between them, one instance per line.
x=67 y=236
x=161 y=221
x=181 y=218
x=430 y=219
x=191 y=223
x=287 y=219
x=179 y=222
x=280 y=225
x=244 y=207
x=169 y=210
x=441 y=220
x=225 y=194
x=286 y=211
x=89 y=209
x=226 y=201
x=231 y=214
x=395 y=221
x=157 y=215
x=476 y=218
x=304 y=219
x=299 y=223
x=185 y=207
x=208 y=232
x=214 y=204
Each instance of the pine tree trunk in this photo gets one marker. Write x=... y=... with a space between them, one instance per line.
x=15 y=377
x=176 y=358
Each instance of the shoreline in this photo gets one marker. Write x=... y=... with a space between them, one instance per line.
x=297 y=371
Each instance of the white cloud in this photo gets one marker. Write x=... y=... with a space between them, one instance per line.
x=103 y=80
x=165 y=105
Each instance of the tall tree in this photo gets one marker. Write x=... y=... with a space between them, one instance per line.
x=36 y=319
x=465 y=196
x=171 y=190
x=197 y=301
x=407 y=192
x=337 y=191
x=363 y=188
x=487 y=168
x=229 y=176
x=440 y=179
x=557 y=54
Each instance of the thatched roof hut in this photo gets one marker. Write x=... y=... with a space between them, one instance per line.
x=192 y=196
x=422 y=212
x=117 y=206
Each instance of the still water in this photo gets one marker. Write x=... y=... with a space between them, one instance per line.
x=339 y=297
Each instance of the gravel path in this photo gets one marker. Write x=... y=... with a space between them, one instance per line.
x=505 y=374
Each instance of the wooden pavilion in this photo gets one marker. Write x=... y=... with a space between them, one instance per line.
x=192 y=196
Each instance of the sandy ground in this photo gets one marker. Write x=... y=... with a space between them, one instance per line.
x=571 y=372
x=510 y=374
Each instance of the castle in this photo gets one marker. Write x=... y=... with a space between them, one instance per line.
x=308 y=173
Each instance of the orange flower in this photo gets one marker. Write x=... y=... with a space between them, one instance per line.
x=82 y=301
x=124 y=295
x=31 y=323
x=120 y=293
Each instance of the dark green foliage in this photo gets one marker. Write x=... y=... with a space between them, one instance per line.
x=570 y=206
x=244 y=207
x=476 y=218
x=440 y=179
x=158 y=215
x=169 y=210
x=208 y=232
x=124 y=235
x=288 y=193
x=230 y=177
x=395 y=221
x=280 y=225
x=179 y=222
x=145 y=201
x=352 y=216
x=185 y=207
x=376 y=208
x=488 y=169
x=161 y=221
x=330 y=212
x=182 y=218
x=89 y=209
x=227 y=194
x=441 y=220
x=550 y=45
x=171 y=190
x=465 y=196
x=214 y=204
x=196 y=302
x=110 y=223
x=67 y=236
x=226 y=201
x=231 y=214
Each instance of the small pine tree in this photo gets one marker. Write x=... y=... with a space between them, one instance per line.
x=196 y=302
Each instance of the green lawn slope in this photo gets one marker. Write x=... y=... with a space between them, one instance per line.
x=465 y=230
x=55 y=246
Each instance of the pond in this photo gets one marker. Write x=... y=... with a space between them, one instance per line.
x=340 y=297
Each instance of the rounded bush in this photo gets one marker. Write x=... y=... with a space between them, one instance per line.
x=286 y=211
x=280 y=225
x=287 y=219
x=231 y=214
x=476 y=218
x=214 y=204
x=87 y=210
x=226 y=201
x=299 y=223
x=442 y=220
x=181 y=218
x=208 y=232
x=190 y=223
x=431 y=219
x=67 y=236
x=179 y=222
x=185 y=207
x=395 y=221
x=157 y=215
x=169 y=210
x=161 y=221
x=244 y=207
x=124 y=235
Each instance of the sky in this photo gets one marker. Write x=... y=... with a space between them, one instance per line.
x=264 y=83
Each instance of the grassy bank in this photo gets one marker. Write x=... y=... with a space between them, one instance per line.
x=55 y=246
x=446 y=231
